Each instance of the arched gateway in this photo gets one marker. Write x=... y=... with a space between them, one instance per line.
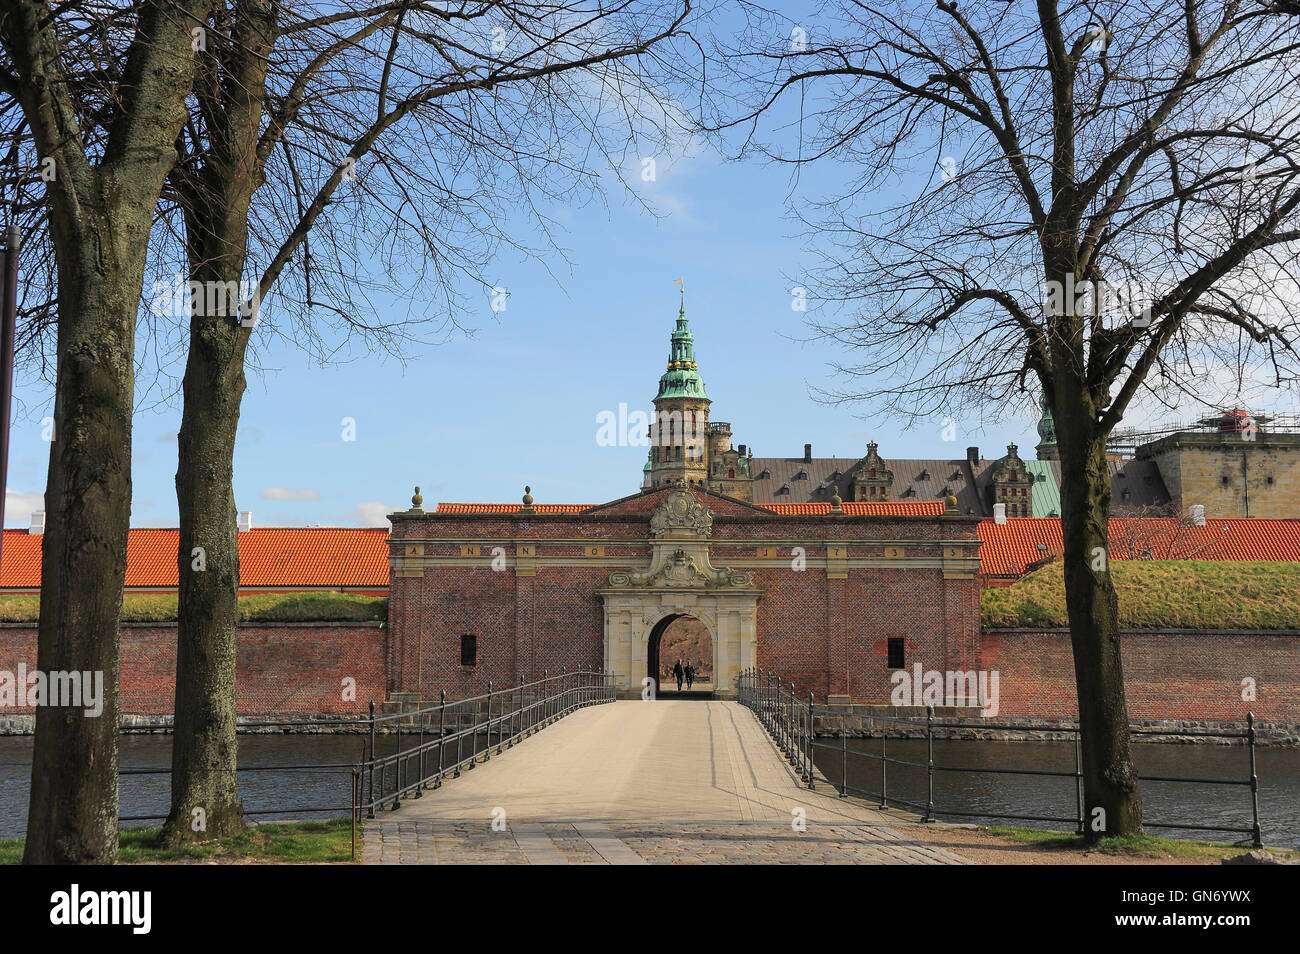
x=680 y=580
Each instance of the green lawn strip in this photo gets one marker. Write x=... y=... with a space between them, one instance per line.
x=1162 y=594
x=310 y=842
x=259 y=607
x=1138 y=846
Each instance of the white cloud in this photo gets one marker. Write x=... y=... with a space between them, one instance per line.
x=283 y=493
x=370 y=513
x=19 y=506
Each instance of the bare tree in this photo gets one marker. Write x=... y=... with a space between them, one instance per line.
x=102 y=133
x=1088 y=200
x=402 y=137
x=413 y=140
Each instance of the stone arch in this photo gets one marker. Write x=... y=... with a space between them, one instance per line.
x=656 y=631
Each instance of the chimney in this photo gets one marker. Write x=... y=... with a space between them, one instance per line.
x=1000 y=513
x=972 y=456
x=38 y=522
x=1195 y=511
x=807 y=453
x=245 y=521
x=742 y=450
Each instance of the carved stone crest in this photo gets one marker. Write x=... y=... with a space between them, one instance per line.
x=681 y=513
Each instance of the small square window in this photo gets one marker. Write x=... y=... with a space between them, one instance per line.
x=468 y=649
x=896 y=655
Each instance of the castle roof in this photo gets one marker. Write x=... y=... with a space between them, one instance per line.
x=682 y=379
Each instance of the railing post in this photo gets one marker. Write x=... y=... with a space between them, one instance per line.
x=884 y=765
x=370 y=812
x=356 y=775
x=1256 y=834
x=564 y=691
x=546 y=697
x=844 y=745
x=419 y=714
x=442 y=734
x=459 y=737
x=808 y=740
x=929 y=764
x=397 y=763
x=1078 y=781
x=487 y=741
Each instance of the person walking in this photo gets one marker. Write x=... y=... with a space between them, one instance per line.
x=678 y=674
x=690 y=675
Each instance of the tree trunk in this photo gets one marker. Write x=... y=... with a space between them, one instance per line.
x=216 y=191
x=1113 y=805
x=72 y=814
x=205 y=795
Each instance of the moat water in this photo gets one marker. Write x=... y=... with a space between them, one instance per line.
x=269 y=780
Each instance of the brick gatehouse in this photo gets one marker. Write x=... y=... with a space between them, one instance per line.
x=830 y=594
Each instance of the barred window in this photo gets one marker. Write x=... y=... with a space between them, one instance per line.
x=468 y=649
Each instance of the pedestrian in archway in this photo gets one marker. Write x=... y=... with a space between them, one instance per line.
x=679 y=673
x=690 y=675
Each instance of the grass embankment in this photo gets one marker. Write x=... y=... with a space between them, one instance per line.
x=1138 y=846
x=1162 y=594
x=312 y=842
x=260 y=607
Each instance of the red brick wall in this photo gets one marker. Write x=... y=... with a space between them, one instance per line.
x=283 y=669
x=826 y=635
x=1175 y=675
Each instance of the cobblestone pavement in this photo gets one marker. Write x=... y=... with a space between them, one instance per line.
x=432 y=841
x=666 y=782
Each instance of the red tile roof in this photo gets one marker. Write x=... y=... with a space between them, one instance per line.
x=901 y=508
x=891 y=508
x=1008 y=548
x=268 y=557
x=510 y=508
x=358 y=557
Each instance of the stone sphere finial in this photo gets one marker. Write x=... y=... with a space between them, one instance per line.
x=835 y=499
x=950 y=503
x=528 y=496
x=417 y=502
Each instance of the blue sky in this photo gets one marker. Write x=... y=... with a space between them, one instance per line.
x=517 y=403
x=478 y=418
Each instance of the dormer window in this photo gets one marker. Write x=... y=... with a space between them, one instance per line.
x=956 y=475
x=923 y=475
x=765 y=475
x=836 y=476
x=802 y=475
x=784 y=491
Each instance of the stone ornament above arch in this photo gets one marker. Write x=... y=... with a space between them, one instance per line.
x=681 y=514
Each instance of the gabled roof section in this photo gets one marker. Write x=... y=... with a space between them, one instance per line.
x=268 y=556
x=510 y=508
x=891 y=508
x=1008 y=548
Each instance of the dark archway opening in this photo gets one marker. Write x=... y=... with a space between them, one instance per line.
x=684 y=638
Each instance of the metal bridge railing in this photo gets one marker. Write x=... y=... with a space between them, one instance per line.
x=443 y=739
x=791 y=722
x=446 y=737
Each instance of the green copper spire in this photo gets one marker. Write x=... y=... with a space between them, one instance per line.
x=682 y=379
x=1047 y=449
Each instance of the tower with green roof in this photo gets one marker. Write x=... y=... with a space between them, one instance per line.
x=1047 y=449
x=679 y=433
